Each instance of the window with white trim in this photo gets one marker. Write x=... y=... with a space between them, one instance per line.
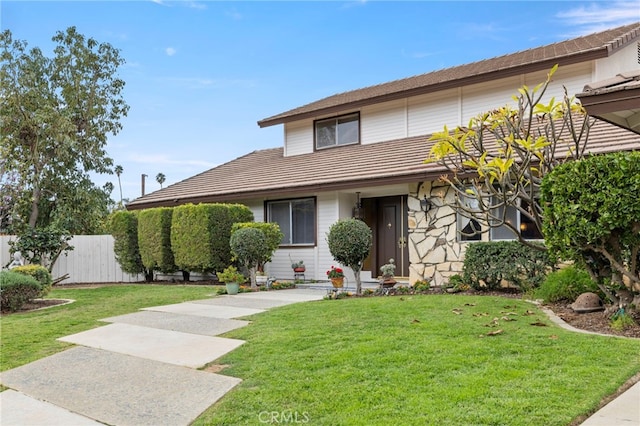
x=296 y=218
x=336 y=131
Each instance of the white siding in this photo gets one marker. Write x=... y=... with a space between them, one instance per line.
x=299 y=138
x=479 y=98
x=91 y=261
x=383 y=122
x=429 y=113
x=627 y=59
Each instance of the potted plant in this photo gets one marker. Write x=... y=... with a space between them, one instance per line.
x=336 y=275
x=388 y=271
x=261 y=278
x=298 y=266
x=232 y=278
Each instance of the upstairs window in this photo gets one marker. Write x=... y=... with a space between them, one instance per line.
x=335 y=131
x=297 y=220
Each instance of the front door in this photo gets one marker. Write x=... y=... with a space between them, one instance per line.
x=389 y=217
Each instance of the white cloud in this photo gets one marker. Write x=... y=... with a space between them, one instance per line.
x=170 y=51
x=596 y=17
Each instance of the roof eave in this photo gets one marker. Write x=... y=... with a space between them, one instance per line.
x=291 y=191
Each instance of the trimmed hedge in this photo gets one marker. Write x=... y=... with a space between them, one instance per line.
x=123 y=225
x=154 y=239
x=487 y=264
x=16 y=289
x=200 y=235
x=39 y=273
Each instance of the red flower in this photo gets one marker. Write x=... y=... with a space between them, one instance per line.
x=335 y=272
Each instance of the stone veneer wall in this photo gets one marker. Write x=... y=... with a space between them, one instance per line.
x=434 y=252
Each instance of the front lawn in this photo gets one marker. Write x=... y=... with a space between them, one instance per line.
x=418 y=360
x=400 y=360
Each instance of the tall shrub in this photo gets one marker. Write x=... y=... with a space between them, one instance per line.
x=200 y=235
x=154 y=239
x=349 y=242
x=123 y=225
x=592 y=216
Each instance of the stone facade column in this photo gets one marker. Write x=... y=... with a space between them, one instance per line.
x=434 y=252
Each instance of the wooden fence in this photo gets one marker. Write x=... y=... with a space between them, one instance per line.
x=91 y=261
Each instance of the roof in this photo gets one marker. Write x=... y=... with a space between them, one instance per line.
x=590 y=47
x=269 y=174
x=616 y=100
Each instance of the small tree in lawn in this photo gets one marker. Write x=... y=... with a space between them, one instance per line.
x=349 y=242
x=249 y=246
x=592 y=216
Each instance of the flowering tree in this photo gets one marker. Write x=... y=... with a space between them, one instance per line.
x=498 y=161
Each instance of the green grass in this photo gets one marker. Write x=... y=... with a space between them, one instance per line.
x=26 y=337
x=372 y=361
x=412 y=360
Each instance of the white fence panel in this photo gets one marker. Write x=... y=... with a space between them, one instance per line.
x=91 y=261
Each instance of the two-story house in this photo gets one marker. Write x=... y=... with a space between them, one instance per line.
x=360 y=153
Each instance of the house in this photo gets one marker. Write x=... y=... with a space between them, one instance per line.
x=360 y=153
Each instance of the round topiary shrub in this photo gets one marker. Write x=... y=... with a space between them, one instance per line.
x=249 y=246
x=349 y=242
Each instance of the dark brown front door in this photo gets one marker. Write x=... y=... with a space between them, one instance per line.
x=388 y=218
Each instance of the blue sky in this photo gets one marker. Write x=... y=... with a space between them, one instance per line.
x=200 y=74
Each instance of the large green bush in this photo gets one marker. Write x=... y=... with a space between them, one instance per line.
x=16 y=289
x=592 y=216
x=154 y=239
x=200 y=235
x=349 y=242
x=40 y=273
x=565 y=284
x=487 y=264
x=123 y=225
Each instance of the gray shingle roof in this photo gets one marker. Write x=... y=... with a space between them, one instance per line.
x=598 y=45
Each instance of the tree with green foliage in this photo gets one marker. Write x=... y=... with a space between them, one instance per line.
x=273 y=236
x=249 y=246
x=592 y=216
x=498 y=160
x=161 y=178
x=55 y=115
x=350 y=241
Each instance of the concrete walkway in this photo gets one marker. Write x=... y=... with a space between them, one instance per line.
x=141 y=368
